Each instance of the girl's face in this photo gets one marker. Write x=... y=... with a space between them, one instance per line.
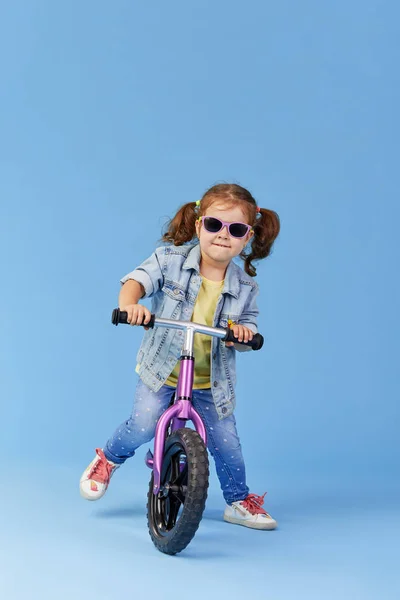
x=221 y=247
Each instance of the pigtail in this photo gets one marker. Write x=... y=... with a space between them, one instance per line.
x=266 y=230
x=181 y=228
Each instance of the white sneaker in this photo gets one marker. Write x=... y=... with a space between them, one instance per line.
x=249 y=512
x=96 y=477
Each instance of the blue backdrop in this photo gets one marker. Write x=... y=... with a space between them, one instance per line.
x=111 y=117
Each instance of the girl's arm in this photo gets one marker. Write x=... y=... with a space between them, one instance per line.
x=129 y=296
x=146 y=280
x=131 y=292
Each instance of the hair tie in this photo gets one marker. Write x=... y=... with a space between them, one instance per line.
x=258 y=209
x=197 y=202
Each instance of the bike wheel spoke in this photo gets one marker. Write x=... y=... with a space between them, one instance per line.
x=180 y=496
x=174 y=506
x=181 y=478
x=179 y=474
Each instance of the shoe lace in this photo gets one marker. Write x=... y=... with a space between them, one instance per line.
x=254 y=503
x=102 y=469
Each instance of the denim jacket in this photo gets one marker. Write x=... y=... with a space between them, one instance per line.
x=171 y=277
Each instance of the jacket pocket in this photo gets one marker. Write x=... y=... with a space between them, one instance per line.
x=173 y=290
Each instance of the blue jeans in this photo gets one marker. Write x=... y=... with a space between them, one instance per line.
x=223 y=440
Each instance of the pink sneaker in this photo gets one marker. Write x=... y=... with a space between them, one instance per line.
x=96 y=477
x=249 y=512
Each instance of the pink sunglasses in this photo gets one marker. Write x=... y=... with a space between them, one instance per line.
x=213 y=225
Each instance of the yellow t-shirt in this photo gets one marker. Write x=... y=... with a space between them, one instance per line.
x=203 y=313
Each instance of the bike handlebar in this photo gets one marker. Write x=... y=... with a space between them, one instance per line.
x=121 y=316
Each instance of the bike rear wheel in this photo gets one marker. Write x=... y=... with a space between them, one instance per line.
x=174 y=514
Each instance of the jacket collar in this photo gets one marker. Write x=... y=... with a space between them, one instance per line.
x=231 y=285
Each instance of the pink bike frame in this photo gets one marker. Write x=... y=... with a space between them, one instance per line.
x=182 y=410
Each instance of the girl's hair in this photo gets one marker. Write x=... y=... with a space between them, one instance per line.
x=266 y=226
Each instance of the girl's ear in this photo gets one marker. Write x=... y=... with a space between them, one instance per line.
x=249 y=236
x=197 y=226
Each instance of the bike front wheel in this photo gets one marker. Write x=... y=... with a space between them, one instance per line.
x=174 y=514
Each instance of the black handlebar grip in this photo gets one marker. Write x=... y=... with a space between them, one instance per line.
x=256 y=343
x=121 y=316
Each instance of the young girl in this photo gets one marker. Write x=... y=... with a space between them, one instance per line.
x=198 y=282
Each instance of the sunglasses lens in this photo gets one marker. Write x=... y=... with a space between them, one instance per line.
x=238 y=230
x=212 y=225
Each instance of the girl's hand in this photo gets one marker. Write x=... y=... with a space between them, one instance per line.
x=137 y=314
x=244 y=334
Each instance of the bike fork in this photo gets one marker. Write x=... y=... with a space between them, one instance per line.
x=178 y=413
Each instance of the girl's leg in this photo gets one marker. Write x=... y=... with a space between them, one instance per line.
x=140 y=428
x=224 y=446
